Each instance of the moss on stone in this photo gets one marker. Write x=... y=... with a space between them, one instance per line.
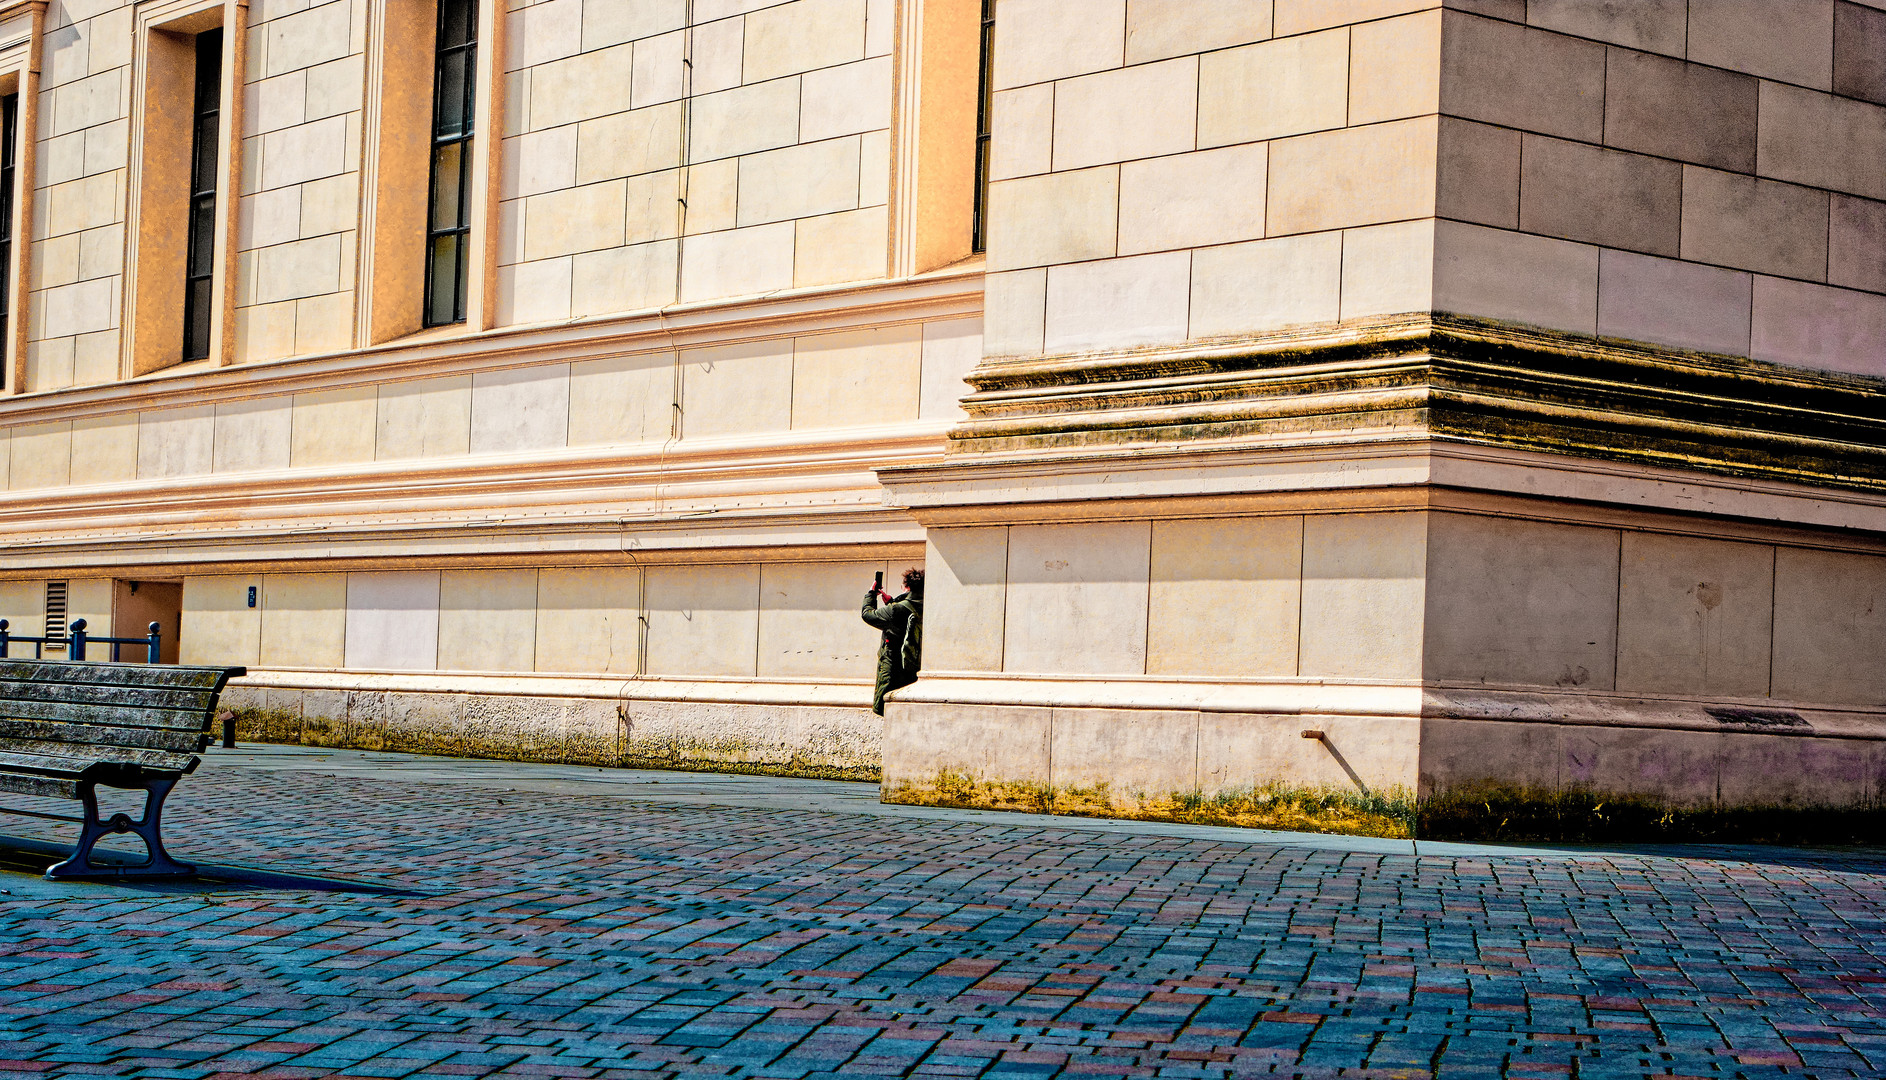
x=1498 y=812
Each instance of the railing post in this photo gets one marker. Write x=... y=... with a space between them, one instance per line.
x=76 y=635
x=3 y=638
x=156 y=639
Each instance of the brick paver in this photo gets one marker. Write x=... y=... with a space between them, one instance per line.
x=566 y=935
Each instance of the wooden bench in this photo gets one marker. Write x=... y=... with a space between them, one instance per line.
x=67 y=727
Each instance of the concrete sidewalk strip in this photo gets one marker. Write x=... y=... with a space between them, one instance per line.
x=558 y=921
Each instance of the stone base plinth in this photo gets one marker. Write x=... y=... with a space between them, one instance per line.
x=780 y=729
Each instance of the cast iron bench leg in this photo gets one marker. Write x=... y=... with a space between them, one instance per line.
x=149 y=828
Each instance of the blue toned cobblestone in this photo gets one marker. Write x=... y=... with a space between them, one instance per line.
x=553 y=933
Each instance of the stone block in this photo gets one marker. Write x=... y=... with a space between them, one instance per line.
x=923 y=743
x=218 y=625
x=1680 y=768
x=1520 y=77
x=540 y=161
x=1822 y=141
x=1579 y=192
x=1358 y=176
x=1224 y=597
x=1388 y=269
x=1077 y=597
x=713 y=196
x=660 y=70
x=1193 y=200
x=330 y=206
x=487 y=620
x=580 y=87
x=1860 y=52
x=81 y=308
x=335 y=88
x=1040 y=40
x=41 y=456
x=1760 y=770
x=736 y=389
x=965 y=598
x=1477 y=179
x=833 y=375
x=1302 y=16
x=1667 y=108
x=626 y=144
x=520 y=409
x=1666 y=302
x=544 y=32
x=1364 y=595
x=1750 y=224
x=1658 y=26
x=1521 y=602
x=612 y=24
x=105 y=449
x=1464 y=754
x=1815 y=326
x=1125 y=756
x=842 y=247
x=1015 y=311
x=745 y=120
x=303 y=268
x=703 y=621
x=1118 y=303
x=636 y=277
x=951 y=348
x=424 y=418
x=393 y=620
x=333 y=427
x=809 y=624
x=1395 y=68
x=1159 y=29
x=322 y=32
x=49 y=364
x=1856 y=244
x=1694 y=616
x=847 y=100
x=266 y=218
x=621 y=400
x=1515 y=277
x=1057 y=218
x=304 y=620
x=1022 y=132
x=309 y=152
x=802 y=35
x=1272 y=89
x=1266 y=285
x=1830 y=625
x=265 y=331
x=252 y=434
x=1137 y=112
x=589 y=619
x=739 y=262
x=176 y=442
x=799 y=181
x=575 y=219
x=1786 y=40
x=1239 y=752
x=96 y=357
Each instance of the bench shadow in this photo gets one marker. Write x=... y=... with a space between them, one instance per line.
x=21 y=855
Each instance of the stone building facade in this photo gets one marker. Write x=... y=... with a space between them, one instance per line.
x=1389 y=399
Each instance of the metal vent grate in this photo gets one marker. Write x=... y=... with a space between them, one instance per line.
x=55 y=612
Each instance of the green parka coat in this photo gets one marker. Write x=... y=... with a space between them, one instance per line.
x=899 y=654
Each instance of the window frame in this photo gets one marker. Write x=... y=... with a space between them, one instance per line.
x=450 y=141
x=199 y=266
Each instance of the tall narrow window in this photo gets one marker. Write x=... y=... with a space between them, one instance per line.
x=199 y=306
x=55 y=610
x=448 y=218
x=985 y=120
x=9 y=128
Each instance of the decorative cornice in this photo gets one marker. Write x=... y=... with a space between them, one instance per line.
x=1447 y=378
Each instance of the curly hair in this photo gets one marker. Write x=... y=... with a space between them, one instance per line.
x=913 y=580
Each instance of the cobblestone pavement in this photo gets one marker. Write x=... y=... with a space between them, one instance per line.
x=547 y=932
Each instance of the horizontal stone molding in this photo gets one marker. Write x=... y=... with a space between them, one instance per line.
x=942 y=295
x=1406 y=700
x=1449 y=378
x=612 y=687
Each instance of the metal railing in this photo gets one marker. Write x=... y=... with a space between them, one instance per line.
x=76 y=641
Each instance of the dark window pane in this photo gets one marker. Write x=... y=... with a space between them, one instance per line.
x=453 y=115
x=458 y=20
x=445 y=263
x=448 y=214
x=198 y=346
x=199 y=312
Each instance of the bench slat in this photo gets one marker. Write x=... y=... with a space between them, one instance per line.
x=39 y=785
x=167 y=719
x=169 y=676
x=64 y=759
x=85 y=733
x=91 y=694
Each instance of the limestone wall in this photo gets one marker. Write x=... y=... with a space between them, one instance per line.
x=1165 y=171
